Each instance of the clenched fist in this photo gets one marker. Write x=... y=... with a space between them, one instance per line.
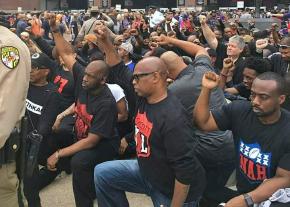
x=210 y=80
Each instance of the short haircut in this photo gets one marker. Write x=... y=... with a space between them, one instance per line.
x=280 y=81
x=239 y=40
x=257 y=64
x=285 y=41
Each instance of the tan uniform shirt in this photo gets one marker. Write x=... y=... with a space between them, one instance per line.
x=15 y=66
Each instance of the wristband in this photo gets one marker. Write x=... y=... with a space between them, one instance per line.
x=248 y=200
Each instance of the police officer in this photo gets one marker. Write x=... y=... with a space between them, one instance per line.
x=15 y=65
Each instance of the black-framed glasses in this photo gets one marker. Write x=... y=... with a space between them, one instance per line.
x=283 y=46
x=137 y=77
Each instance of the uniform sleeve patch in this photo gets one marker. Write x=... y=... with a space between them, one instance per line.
x=10 y=56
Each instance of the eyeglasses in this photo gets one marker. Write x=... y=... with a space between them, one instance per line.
x=38 y=68
x=137 y=77
x=283 y=46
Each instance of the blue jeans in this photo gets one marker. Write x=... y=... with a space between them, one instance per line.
x=113 y=178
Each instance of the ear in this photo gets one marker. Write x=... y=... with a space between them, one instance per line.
x=104 y=80
x=282 y=99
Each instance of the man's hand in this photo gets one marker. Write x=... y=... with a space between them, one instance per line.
x=57 y=123
x=210 y=80
x=228 y=64
x=162 y=39
x=123 y=146
x=134 y=32
x=52 y=22
x=202 y=19
x=261 y=44
x=51 y=162
x=238 y=201
x=274 y=27
x=102 y=33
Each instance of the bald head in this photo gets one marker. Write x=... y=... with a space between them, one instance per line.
x=150 y=64
x=99 y=67
x=174 y=63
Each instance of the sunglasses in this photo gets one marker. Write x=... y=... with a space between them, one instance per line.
x=137 y=77
x=283 y=46
x=38 y=68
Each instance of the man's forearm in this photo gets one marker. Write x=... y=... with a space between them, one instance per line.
x=201 y=113
x=268 y=187
x=190 y=48
x=82 y=144
x=112 y=57
x=180 y=194
x=62 y=46
x=209 y=36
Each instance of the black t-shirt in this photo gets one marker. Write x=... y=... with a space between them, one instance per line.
x=243 y=90
x=121 y=75
x=260 y=148
x=221 y=51
x=42 y=105
x=279 y=65
x=66 y=86
x=165 y=147
x=96 y=114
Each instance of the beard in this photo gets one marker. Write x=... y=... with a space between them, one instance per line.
x=261 y=113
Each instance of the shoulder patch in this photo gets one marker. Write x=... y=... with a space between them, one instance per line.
x=10 y=56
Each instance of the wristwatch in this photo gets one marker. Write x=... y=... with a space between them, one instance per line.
x=248 y=200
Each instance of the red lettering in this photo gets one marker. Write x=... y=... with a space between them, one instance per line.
x=251 y=173
x=261 y=172
x=243 y=163
x=62 y=82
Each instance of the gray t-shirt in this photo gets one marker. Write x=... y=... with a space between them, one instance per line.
x=215 y=146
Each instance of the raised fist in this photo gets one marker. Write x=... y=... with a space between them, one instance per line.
x=134 y=32
x=261 y=44
x=161 y=40
x=52 y=21
x=228 y=64
x=101 y=32
x=210 y=80
x=202 y=19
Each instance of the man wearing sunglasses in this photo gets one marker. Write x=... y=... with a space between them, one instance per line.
x=281 y=61
x=165 y=162
x=42 y=108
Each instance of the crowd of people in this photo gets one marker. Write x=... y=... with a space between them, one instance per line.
x=168 y=104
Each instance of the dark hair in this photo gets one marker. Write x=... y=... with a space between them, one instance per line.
x=257 y=64
x=285 y=41
x=280 y=81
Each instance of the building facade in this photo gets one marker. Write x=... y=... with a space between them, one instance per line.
x=130 y=4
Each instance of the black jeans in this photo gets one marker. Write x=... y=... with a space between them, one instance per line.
x=32 y=185
x=82 y=165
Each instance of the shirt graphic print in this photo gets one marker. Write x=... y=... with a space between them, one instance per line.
x=254 y=163
x=143 y=128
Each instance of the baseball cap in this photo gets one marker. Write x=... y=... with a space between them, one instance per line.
x=91 y=38
x=127 y=46
x=94 y=9
x=41 y=61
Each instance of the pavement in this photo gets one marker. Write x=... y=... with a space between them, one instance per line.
x=60 y=194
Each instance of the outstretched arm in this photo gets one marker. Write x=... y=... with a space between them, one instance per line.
x=64 y=49
x=208 y=33
x=201 y=113
x=190 y=48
